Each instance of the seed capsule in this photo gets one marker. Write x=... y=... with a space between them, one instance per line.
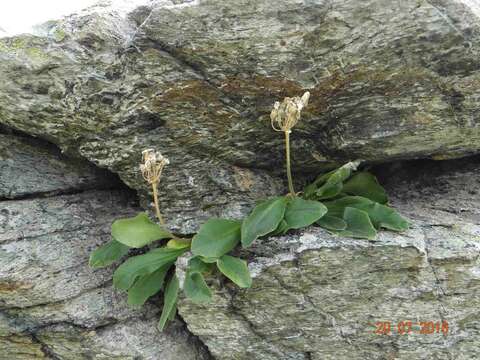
x=152 y=166
x=286 y=114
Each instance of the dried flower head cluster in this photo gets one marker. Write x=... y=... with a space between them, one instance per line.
x=152 y=166
x=286 y=114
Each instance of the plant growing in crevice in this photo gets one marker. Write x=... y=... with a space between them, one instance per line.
x=342 y=201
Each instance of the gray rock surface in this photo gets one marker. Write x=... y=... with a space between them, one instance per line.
x=316 y=296
x=29 y=167
x=52 y=305
x=197 y=79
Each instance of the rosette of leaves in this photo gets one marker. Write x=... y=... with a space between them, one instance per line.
x=357 y=204
x=277 y=215
x=345 y=202
x=210 y=246
x=143 y=276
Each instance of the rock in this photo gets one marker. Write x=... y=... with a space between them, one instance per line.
x=52 y=305
x=316 y=296
x=197 y=79
x=31 y=167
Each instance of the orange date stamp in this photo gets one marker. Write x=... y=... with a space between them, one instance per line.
x=410 y=327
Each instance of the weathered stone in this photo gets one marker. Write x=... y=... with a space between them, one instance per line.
x=52 y=305
x=316 y=296
x=138 y=339
x=196 y=80
x=30 y=167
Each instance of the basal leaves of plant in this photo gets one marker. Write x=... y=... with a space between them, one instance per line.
x=146 y=286
x=196 y=288
x=341 y=189
x=278 y=215
x=380 y=215
x=264 y=219
x=366 y=185
x=329 y=185
x=107 y=254
x=137 y=266
x=358 y=224
x=236 y=270
x=169 y=301
x=281 y=229
x=385 y=217
x=178 y=244
x=301 y=213
x=216 y=238
x=138 y=231
x=333 y=223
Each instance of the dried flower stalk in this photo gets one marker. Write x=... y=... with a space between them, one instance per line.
x=284 y=117
x=151 y=168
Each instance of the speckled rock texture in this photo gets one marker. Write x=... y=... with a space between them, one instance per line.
x=197 y=79
x=52 y=305
x=32 y=168
x=316 y=296
x=389 y=81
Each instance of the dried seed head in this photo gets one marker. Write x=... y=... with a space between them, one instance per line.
x=152 y=166
x=286 y=114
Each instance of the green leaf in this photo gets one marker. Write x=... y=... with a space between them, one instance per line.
x=332 y=223
x=137 y=266
x=264 y=218
x=236 y=270
x=281 y=229
x=196 y=288
x=147 y=286
x=196 y=264
x=328 y=191
x=138 y=231
x=321 y=179
x=386 y=217
x=301 y=213
x=216 y=238
x=107 y=254
x=337 y=207
x=380 y=215
x=173 y=312
x=178 y=243
x=358 y=224
x=208 y=260
x=366 y=185
x=330 y=184
x=309 y=191
x=169 y=302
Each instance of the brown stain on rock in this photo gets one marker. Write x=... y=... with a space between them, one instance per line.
x=216 y=109
x=205 y=105
x=12 y=286
x=244 y=178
